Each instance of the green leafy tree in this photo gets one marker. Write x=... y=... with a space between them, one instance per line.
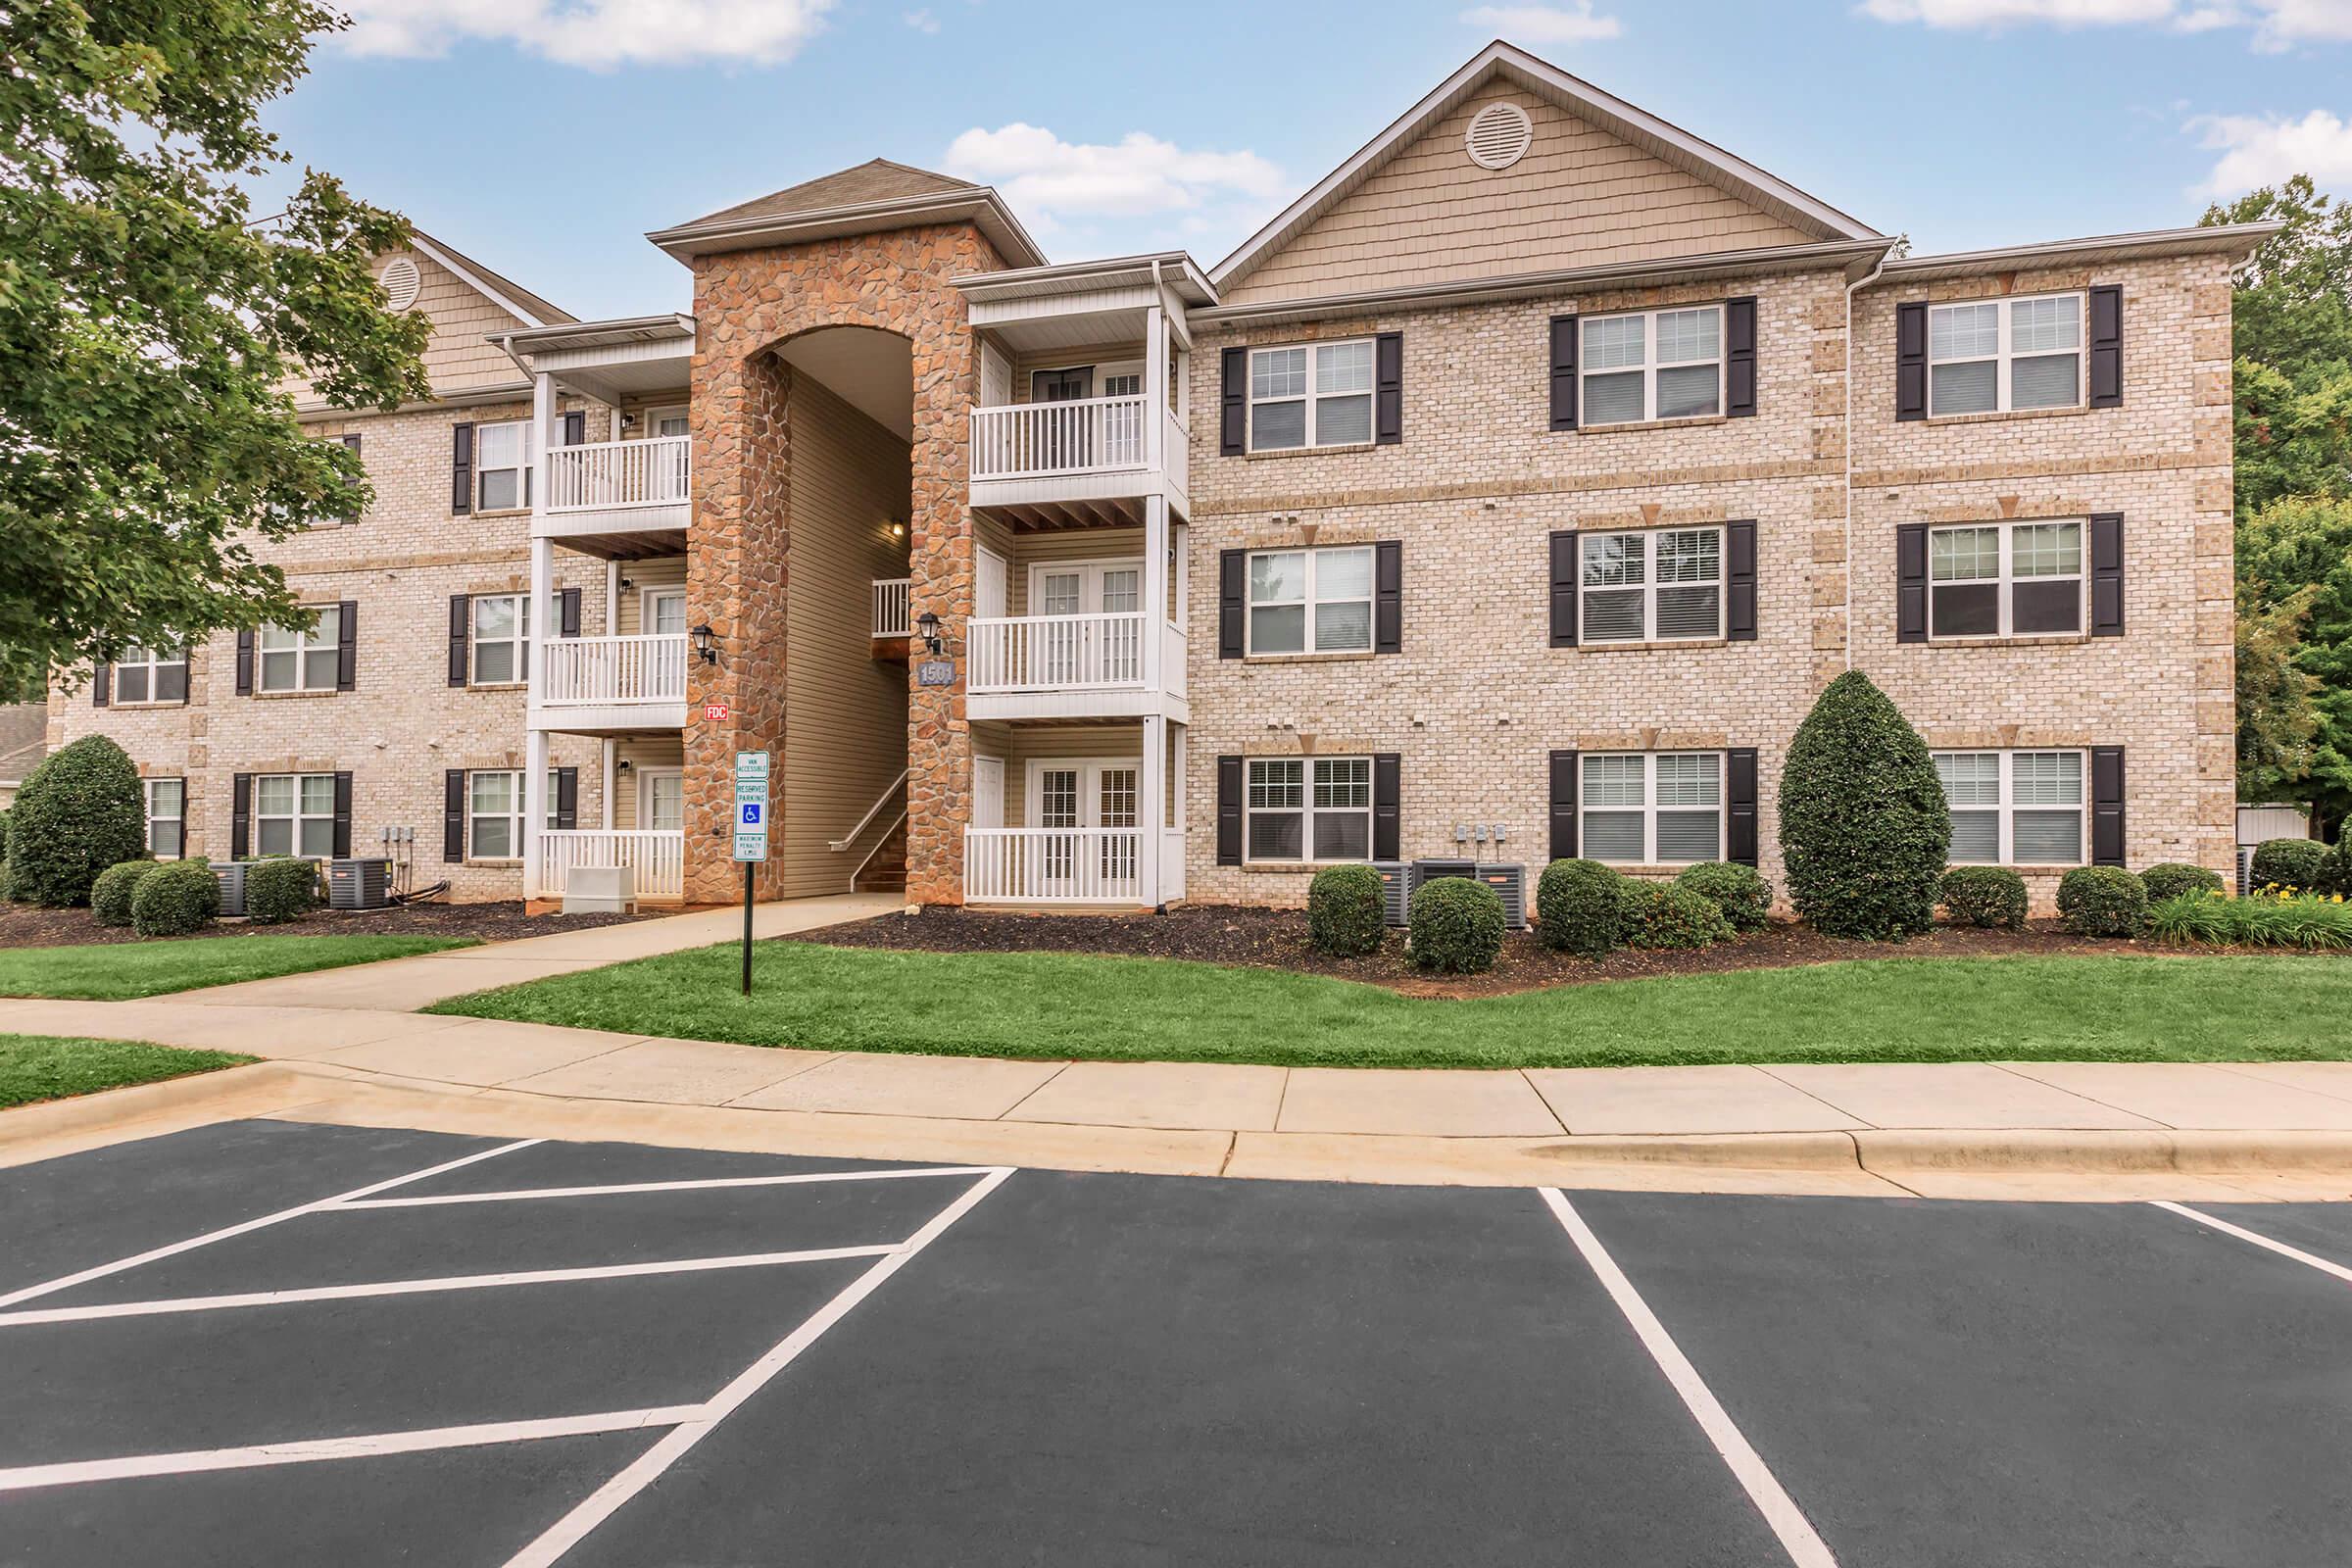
x=1864 y=826
x=2294 y=553
x=150 y=330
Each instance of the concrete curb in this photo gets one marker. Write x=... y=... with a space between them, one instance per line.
x=2102 y=1153
x=221 y=1094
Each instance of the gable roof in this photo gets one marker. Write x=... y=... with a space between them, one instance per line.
x=1668 y=142
x=877 y=180
x=506 y=294
x=873 y=198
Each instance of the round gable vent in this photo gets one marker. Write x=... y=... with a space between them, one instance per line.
x=1499 y=136
x=399 y=281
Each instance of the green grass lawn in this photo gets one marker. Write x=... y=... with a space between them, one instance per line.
x=115 y=971
x=2124 y=1009
x=36 y=1067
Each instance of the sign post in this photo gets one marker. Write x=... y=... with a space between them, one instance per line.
x=750 y=837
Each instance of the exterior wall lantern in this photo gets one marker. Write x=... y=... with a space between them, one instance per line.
x=927 y=624
x=705 y=640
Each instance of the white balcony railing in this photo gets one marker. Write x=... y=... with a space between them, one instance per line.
x=658 y=856
x=890 y=608
x=1174 y=646
x=603 y=671
x=1176 y=453
x=1053 y=865
x=1052 y=653
x=610 y=474
x=1032 y=440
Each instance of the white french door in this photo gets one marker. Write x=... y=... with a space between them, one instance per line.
x=1077 y=795
x=1097 y=588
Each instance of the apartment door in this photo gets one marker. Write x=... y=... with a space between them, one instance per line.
x=988 y=792
x=1063 y=440
x=1123 y=422
x=988 y=601
x=1091 y=649
x=661 y=800
x=663 y=611
x=1096 y=805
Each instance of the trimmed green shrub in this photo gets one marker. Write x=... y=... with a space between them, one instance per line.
x=79 y=811
x=2298 y=863
x=110 y=895
x=1343 y=916
x=1989 y=896
x=1739 y=891
x=176 y=898
x=2336 y=875
x=281 y=889
x=2102 y=900
x=1577 y=908
x=1676 y=917
x=2317 y=924
x=2171 y=879
x=1457 y=926
x=1863 y=822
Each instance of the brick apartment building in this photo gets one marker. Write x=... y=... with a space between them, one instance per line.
x=1510 y=494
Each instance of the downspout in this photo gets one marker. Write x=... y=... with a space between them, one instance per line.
x=1877 y=268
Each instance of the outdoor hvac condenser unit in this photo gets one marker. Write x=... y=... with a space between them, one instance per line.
x=1509 y=883
x=1425 y=871
x=232 y=877
x=359 y=884
x=1395 y=889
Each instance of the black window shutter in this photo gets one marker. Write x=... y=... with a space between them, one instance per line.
x=1233 y=405
x=1739 y=581
x=1563 y=373
x=1388 y=597
x=1740 y=794
x=240 y=814
x=1911 y=361
x=351 y=444
x=452 y=816
x=1739 y=358
x=568 y=800
x=102 y=685
x=1563 y=805
x=460 y=613
x=2106 y=575
x=347 y=645
x=2107 y=346
x=1563 y=590
x=1229 y=810
x=570 y=619
x=245 y=663
x=1911 y=583
x=460 y=470
x=342 y=817
x=1387 y=388
x=1388 y=791
x=1232 y=582
x=2106 y=806
x=574 y=427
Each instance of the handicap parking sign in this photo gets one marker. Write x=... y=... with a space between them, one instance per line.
x=751 y=813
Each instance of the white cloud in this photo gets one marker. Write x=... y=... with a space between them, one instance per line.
x=1138 y=175
x=597 y=34
x=2258 y=151
x=921 y=20
x=2276 y=23
x=1573 y=23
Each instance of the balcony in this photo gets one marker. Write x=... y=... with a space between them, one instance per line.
x=1055 y=653
x=1089 y=459
x=890 y=608
x=1053 y=865
x=612 y=683
x=658 y=857
x=617 y=486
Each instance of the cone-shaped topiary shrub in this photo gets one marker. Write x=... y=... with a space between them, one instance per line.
x=1343 y=916
x=1577 y=908
x=110 y=893
x=1457 y=926
x=1739 y=891
x=2298 y=863
x=2171 y=879
x=1989 y=896
x=2102 y=900
x=1864 y=826
x=280 y=889
x=79 y=811
x=175 y=899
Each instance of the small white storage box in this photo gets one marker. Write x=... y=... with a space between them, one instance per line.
x=600 y=890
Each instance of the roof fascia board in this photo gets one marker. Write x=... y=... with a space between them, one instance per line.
x=666 y=323
x=2151 y=242
x=1078 y=278
x=309 y=409
x=472 y=279
x=979 y=202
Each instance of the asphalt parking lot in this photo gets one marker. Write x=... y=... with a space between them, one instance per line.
x=271 y=1343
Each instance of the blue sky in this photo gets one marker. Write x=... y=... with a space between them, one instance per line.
x=546 y=137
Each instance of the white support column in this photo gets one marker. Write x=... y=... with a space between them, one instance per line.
x=1151 y=809
x=535 y=810
x=611 y=752
x=1176 y=761
x=1155 y=387
x=1155 y=601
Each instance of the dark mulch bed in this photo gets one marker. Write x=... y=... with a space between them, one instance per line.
x=23 y=925
x=1276 y=938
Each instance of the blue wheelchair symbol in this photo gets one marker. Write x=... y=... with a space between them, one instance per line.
x=751 y=813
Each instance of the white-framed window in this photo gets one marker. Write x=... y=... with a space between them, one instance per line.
x=1311 y=394
x=1656 y=585
x=151 y=676
x=294 y=813
x=1650 y=365
x=167 y=817
x=2006 y=579
x=501 y=631
x=2014 y=807
x=301 y=661
x=1311 y=601
x=1309 y=809
x=1998 y=356
x=1651 y=808
x=501 y=465
x=495 y=811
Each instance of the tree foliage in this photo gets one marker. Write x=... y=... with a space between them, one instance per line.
x=150 y=330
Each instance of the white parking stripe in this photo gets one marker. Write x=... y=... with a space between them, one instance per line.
x=575 y=1527
x=310 y=1451
x=2263 y=1242
x=518 y=1194
x=452 y=1282
x=29 y=1291
x=1796 y=1535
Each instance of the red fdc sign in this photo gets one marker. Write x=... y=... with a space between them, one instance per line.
x=714 y=713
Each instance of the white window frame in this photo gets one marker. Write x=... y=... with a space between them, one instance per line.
x=1648 y=367
x=2008 y=807
x=521 y=469
x=1650 y=808
x=517 y=819
x=298 y=818
x=521 y=640
x=177 y=818
x=644 y=796
x=2003 y=354
x=1650 y=585
x=2007 y=579
x=653 y=415
x=649 y=602
x=149 y=664
x=1311 y=602
x=303 y=645
x=1310 y=437
x=1306 y=811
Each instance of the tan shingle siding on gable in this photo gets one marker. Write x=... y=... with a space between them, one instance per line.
x=1580 y=197
x=457 y=358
